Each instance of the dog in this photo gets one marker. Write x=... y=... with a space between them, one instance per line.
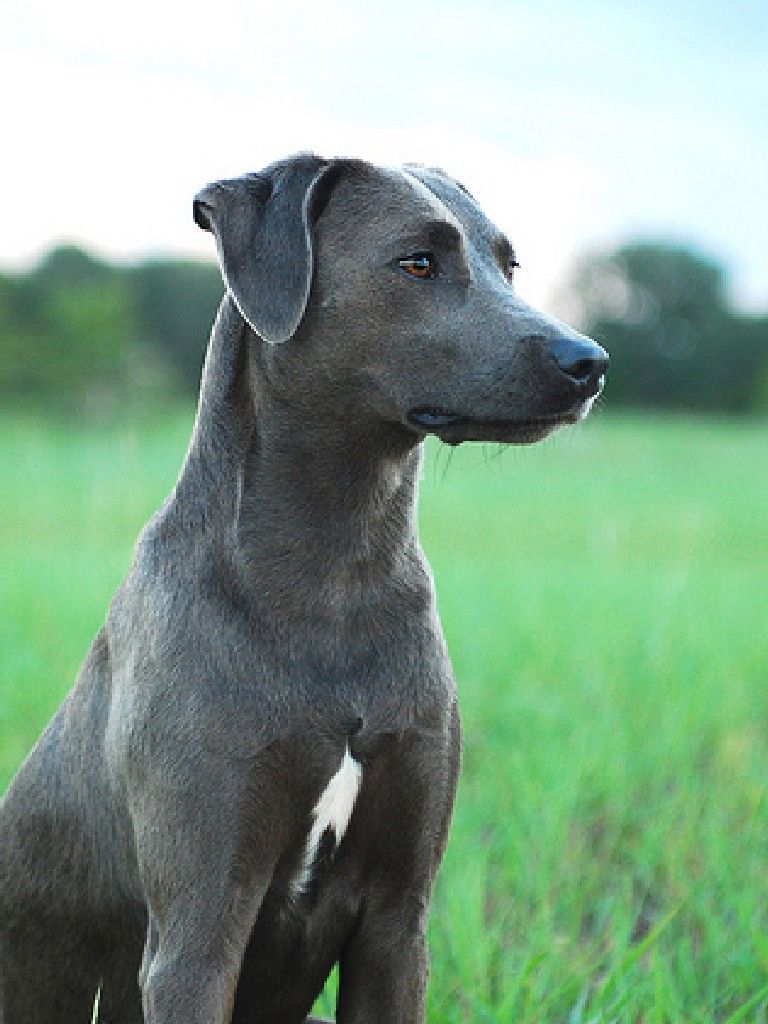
x=253 y=776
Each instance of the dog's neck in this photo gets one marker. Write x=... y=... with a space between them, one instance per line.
x=308 y=507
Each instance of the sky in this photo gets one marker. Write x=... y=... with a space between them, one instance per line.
x=574 y=124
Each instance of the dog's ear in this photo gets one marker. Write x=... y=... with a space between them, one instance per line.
x=262 y=225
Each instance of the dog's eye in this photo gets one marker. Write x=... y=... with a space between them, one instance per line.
x=419 y=264
x=512 y=266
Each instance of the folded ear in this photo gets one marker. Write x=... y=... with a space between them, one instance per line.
x=262 y=224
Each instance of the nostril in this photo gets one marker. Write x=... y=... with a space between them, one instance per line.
x=579 y=358
x=582 y=370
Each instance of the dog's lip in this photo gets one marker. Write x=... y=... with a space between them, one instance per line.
x=435 y=420
x=454 y=428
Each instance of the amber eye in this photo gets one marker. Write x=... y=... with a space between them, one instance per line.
x=419 y=264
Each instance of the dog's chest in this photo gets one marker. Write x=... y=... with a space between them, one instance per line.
x=330 y=818
x=363 y=792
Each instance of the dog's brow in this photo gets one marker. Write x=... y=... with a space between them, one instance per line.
x=502 y=247
x=442 y=233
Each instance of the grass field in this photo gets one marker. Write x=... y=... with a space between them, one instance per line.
x=605 y=599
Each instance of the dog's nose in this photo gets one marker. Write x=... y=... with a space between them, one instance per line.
x=579 y=358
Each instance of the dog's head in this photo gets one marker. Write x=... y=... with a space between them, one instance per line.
x=394 y=296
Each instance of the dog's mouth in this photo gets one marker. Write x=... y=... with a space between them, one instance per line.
x=453 y=428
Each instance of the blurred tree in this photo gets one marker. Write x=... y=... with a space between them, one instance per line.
x=72 y=315
x=74 y=325
x=675 y=341
x=176 y=302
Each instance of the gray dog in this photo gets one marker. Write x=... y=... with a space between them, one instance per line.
x=253 y=776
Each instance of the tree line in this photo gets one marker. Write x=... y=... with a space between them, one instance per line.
x=676 y=341
x=74 y=323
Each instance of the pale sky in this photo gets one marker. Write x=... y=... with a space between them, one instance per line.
x=573 y=123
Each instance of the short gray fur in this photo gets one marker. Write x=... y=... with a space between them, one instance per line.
x=279 y=608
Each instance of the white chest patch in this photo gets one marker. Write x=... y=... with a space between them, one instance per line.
x=333 y=810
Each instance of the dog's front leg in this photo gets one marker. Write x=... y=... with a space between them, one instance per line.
x=193 y=955
x=206 y=859
x=383 y=972
x=193 y=959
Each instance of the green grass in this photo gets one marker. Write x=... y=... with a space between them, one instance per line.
x=605 y=599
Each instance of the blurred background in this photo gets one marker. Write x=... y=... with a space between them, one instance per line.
x=622 y=146
x=604 y=594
